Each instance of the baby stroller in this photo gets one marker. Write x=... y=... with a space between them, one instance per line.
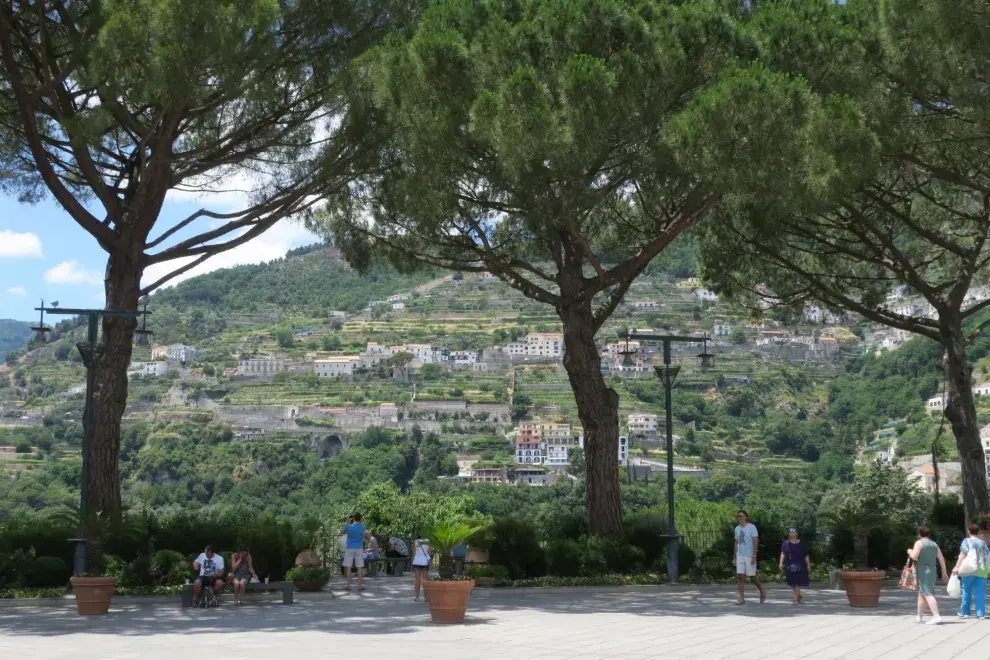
x=207 y=598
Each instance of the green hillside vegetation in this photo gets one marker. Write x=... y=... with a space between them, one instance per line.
x=13 y=335
x=308 y=280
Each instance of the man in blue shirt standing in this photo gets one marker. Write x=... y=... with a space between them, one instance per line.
x=354 y=550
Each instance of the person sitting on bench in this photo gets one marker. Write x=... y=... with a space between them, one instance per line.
x=397 y=548
x=209 y=570
x=371 y=552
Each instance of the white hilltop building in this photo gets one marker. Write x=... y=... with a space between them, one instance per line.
x=537 y=344
x=173 y=353
x=937 y=403
x=549 y=445
x=263 y=366
x=337 y=366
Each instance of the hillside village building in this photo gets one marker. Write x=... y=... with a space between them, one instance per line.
x=159 y=368
x=937 y=403
x=173 y=353
x=336 y=366
x=537 y=344
x=260 y=366
x=643 y=423
x=549 y=445
x=463 y=357
x=706 y=295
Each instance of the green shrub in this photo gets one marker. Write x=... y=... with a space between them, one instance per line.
x=308 y=574
x=137 y=573
x=564 y=558
x=514 y=545
x=113 y=566
x=615 y=555
x=48 y=572
x=488 y=571
x=687 y=559
x=169 y=567
x=647 y=531
x=14 y=566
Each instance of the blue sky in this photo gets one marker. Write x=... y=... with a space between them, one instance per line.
x=45 y=254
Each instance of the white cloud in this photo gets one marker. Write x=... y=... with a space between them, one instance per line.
x=17 y=291
x=273 y=244
x=23 y=245
x=70 y=272
x=231 y=193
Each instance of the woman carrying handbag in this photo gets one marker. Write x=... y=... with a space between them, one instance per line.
x=971 y=568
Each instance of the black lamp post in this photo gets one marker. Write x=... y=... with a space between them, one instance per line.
x=668 y=374
x=90 y=352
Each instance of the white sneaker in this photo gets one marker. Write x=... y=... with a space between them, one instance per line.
x=918 y=619
x=934 y=622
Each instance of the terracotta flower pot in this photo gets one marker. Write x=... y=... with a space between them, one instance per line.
x=448 y=600
x=863 y=587
x=310 y=585
x=93 y=594
x=307 y=558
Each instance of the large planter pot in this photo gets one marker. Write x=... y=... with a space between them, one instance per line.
x=93 y=594
x=307 y=558
x=863 y=587
x=448 y=600
x=310 y=585
x=476 y=556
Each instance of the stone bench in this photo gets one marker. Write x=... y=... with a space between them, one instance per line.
x=397 y=563
x=286 y=587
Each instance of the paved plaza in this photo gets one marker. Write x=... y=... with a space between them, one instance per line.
x=630 y=623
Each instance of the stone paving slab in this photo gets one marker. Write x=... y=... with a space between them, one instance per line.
x=631 y=623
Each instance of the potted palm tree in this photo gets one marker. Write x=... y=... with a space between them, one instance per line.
x=92 y=589
x=448 y=595
x=882 y=500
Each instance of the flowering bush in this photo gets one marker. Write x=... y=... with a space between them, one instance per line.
x=983 y=520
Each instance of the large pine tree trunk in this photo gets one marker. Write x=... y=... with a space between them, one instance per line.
x=961 y=412
x=122 y=287
x=598 y=409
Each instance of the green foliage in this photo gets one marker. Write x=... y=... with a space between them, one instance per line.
x=285 y=338
x=47 y=572
x=13 y=336
x=882 y=500
x=515 y=546
x=308 y=574
x=169 y=567
x=494 y=571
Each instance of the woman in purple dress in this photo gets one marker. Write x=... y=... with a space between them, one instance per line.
x=795 y=563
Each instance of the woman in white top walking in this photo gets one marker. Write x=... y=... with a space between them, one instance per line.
x=422 y=554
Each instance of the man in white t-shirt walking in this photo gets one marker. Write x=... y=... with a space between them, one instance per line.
x=747 y=540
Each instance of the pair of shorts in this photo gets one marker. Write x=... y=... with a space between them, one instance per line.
x=745 y=566
x=353 y=557
x=422 y=569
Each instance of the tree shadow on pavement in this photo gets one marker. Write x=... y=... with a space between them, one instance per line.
x=392 y=611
